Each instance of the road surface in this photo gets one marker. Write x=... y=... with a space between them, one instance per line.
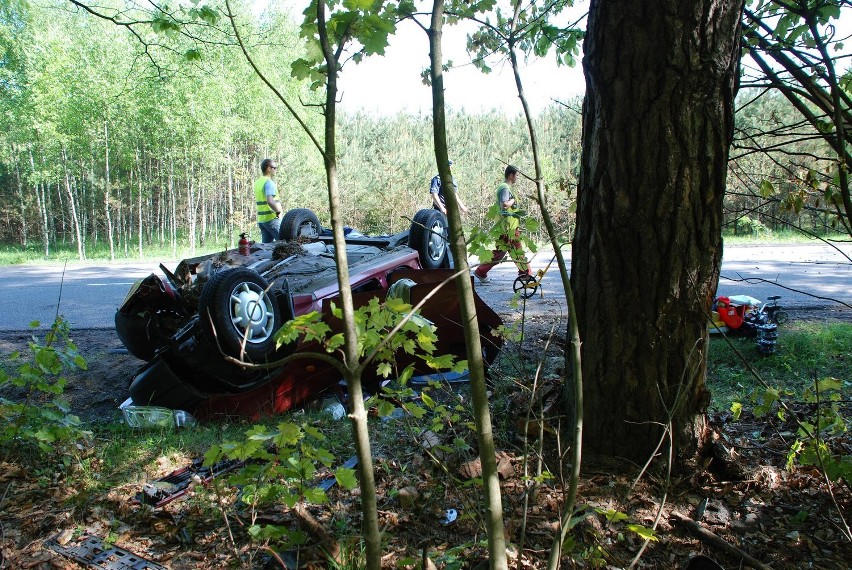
x=88 y=295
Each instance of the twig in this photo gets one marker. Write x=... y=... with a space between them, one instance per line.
x=310 y=524
x=846 y=531
x=714 y=540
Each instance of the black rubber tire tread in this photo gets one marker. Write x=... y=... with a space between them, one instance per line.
x=215 y=299
x=420 y=235
x=293 y=220
x=781 y=317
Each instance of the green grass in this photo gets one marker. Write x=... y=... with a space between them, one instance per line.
x=123 y=455
x=15 y=254
x=806 y=351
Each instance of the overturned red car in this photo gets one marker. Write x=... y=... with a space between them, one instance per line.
x=245 y=299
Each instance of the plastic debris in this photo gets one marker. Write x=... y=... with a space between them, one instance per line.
x=155 y=416
x=449 y=517
x=336 y=410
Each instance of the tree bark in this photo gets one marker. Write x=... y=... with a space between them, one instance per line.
x=358 y=413
x=139 y=173
x=494 y=525
x=107 y=189
x=41 y=203
x=657 y=126
x=75 y=220
x=21 y=198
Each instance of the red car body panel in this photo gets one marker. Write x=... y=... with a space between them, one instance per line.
x=159 y=322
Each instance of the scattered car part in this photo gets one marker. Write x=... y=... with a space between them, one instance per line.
x=745 y=315
x=176 y=484
x=92 y=552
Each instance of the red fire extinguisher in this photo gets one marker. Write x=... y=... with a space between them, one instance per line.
x=244 y=244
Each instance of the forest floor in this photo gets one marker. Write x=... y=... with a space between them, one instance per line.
x=748 y=500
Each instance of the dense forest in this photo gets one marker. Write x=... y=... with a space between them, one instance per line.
x=106 y=150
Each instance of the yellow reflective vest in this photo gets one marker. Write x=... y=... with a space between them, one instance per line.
x=264 y=212
x=509 y=218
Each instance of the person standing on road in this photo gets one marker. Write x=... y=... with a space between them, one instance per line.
x=510 y=222
x=439 y=202
x=268 y=207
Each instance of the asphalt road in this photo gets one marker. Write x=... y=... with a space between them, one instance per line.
x=88 y=295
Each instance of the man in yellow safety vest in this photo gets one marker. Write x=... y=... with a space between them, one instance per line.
x=268 y=207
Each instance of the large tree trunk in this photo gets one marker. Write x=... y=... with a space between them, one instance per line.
x=657 y=125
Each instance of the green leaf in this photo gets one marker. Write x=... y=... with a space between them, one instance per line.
x=385 y=408
x=643 y=531
x=414 y=410
x=737 y=409
x=288 y=434
x=766 y=189
x=358 y=4
x=346 y=478
x=316 y=496
x=612 y=515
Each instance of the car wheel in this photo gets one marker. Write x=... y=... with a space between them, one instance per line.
x=239 y=314
x=525 y=286
x=299 y=223
x=428 y=236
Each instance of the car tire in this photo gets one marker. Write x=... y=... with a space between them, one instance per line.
x=428 y=236
x=299 y=223
x=234 y=301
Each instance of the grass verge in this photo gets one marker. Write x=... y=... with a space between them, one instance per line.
x=806 y=351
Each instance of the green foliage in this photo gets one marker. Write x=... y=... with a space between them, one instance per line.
x=39 y=416
x=534 y=31
x=374 y=322
x=454 y=558
x=614 y=517
x=798 y=52
x=825 y=422
x=805 y=351
x=358 y=28
x=442 y=414
x=280 y=468
x=829 y=421
x=184 y=121
x=484 y=238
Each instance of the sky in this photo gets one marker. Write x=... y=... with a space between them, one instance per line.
x=389 y=84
